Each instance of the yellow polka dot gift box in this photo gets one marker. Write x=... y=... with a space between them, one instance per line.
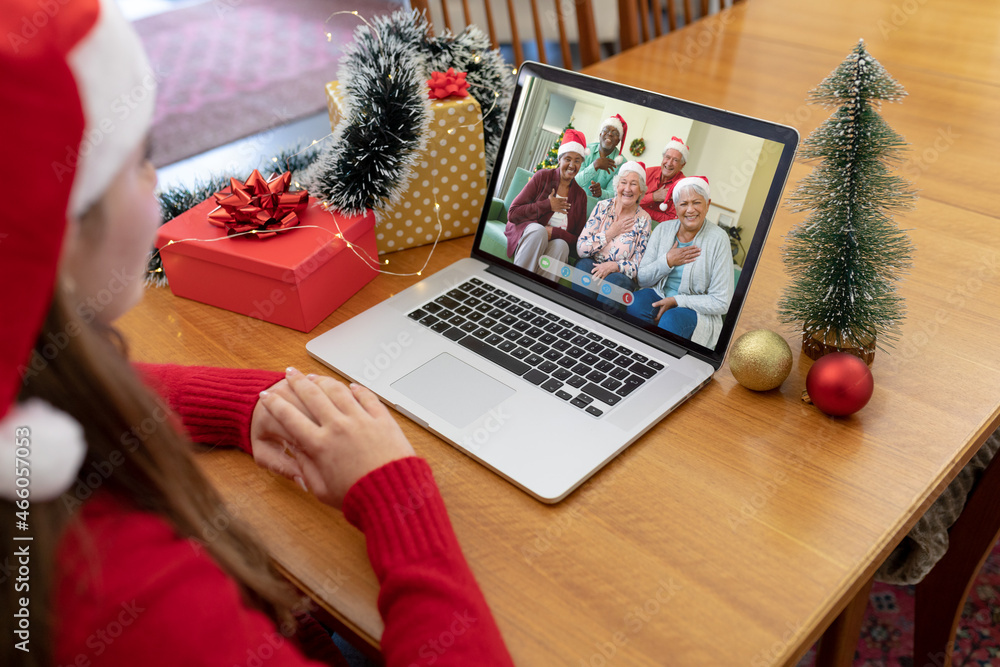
x=451 y=172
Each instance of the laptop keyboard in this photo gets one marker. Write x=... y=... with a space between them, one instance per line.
x=575 y=364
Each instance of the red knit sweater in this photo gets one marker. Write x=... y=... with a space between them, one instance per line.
x=130 y=592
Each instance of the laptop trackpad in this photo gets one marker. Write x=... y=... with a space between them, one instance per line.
x=453 y=390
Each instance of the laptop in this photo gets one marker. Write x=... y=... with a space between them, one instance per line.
x=544 y=375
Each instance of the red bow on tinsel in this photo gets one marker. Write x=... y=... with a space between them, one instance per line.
x=264 y=206
x=447 y=84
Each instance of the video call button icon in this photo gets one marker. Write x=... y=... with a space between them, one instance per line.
x=584 y=279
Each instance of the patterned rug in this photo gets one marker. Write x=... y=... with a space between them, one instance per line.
x=227 y=69
x=887 y=633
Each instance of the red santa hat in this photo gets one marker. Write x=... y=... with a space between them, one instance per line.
x=679 y=146
x=699 y=183
x=78 y=99
x=573 y=141
x=619 y=124
x=635 y=167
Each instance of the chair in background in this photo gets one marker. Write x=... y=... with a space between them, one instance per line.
x=559 y=11
x=582 y=40
x=642 y=20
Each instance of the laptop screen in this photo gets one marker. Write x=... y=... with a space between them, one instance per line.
x=613 y=226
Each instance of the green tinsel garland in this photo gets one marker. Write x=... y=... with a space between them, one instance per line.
x=368 y=162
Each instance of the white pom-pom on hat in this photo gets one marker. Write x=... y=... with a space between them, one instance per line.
x=51 y=447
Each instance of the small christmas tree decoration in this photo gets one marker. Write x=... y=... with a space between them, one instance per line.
x=760 y=360
x=839 y=384
x=552 y=156
x=847 y=256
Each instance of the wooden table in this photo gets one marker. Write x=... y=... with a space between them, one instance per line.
x=738 y=528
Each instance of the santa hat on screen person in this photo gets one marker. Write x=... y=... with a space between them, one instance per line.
x=635 y=167
x=78 y=99
x=679 y=146
x=572 y=141
x=698 y=182
x=619 y=124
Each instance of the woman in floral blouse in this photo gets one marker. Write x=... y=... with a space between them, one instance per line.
x=612 y=243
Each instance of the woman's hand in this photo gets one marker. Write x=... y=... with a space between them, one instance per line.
x=664 y=305
x=268 y=438
x=604 y=269
x=558 y=204
x=595 y=189
x=621 y=225
x=677 y=255
x=344 y=434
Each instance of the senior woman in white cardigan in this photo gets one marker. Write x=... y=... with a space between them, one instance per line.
x=686 y=273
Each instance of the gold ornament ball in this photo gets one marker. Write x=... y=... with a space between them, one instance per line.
x=760 y=360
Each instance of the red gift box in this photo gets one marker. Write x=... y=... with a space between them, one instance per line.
x=294 y=278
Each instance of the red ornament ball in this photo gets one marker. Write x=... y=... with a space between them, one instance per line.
x=840 y=384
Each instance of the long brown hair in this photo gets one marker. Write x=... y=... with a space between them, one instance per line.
x=80 y=367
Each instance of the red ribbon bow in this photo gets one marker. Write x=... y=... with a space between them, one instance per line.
x=264 y=206
x=447 y=84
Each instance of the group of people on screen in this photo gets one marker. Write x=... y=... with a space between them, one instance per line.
x=647 y=234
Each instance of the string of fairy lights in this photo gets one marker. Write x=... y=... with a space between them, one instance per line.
x=358 y=250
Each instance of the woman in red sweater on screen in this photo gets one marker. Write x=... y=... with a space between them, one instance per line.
x=108 y=525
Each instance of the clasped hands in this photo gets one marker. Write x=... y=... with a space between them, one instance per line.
x=324 y=434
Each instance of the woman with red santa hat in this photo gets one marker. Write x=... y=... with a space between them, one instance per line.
x=547 y=216
x=112 y=517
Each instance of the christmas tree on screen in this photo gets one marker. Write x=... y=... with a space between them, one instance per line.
x=552 y=157
x=846 y=258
